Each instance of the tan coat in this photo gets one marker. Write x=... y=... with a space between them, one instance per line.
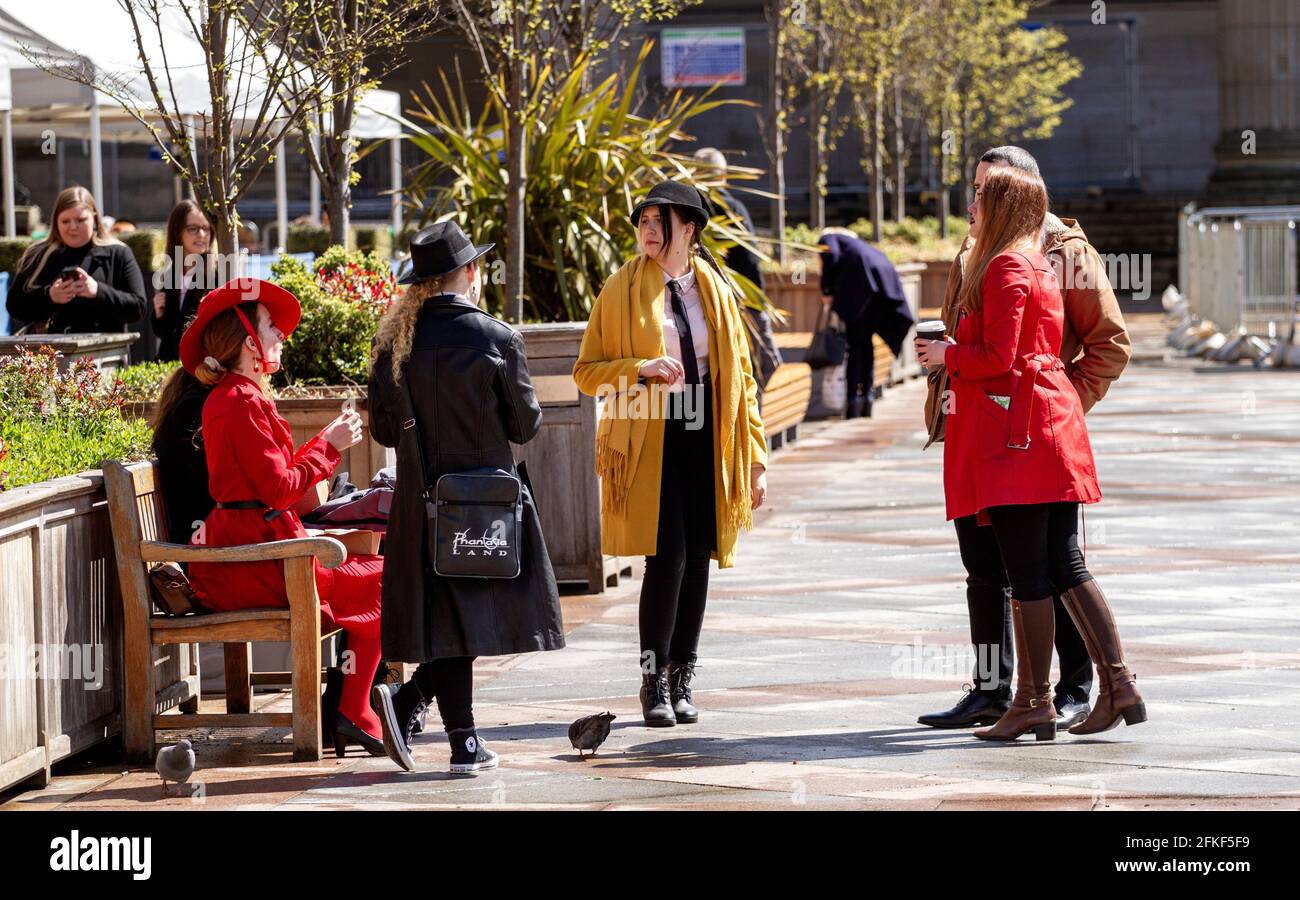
x=1095 y=345
x=624 y=331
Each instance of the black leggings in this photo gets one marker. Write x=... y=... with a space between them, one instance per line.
x=1039 y=543
x=677 y=576
x=451 y=682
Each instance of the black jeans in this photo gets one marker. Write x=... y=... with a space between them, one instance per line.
x=860 y=365
x=988 y=599
x=451 y=682
x=677 y=575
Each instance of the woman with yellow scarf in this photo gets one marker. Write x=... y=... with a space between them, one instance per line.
x=680 y=447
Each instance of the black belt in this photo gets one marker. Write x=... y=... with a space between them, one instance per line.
x=251 y=504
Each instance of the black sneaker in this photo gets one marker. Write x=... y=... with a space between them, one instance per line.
x=398 y=709
x=468 y=753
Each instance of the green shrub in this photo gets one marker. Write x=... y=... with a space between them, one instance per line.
x=142 y=383
x=342 y=299
x=912 y=240
x=146 y=246
x=376 y=239
x=10 y=251
x=307 y=239
x=62 y=423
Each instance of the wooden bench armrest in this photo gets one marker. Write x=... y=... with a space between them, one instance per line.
x=328 y=551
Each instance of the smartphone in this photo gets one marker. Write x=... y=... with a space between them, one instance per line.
x=68 y=273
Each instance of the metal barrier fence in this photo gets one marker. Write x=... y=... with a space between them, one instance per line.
x=1238 y=266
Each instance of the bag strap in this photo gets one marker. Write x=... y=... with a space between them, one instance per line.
x=413 y=423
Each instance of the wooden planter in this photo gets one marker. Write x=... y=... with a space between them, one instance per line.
x=109 y=351
x=59 y=593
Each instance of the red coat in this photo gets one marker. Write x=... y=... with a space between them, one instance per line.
x=1010 y=349
x=250 y=457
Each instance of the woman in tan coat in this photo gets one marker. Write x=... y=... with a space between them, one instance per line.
x=680 y=447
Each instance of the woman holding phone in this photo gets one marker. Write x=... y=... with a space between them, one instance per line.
x=682 y=473
x=78 y=279
x=1017 y=455
x=255 y=476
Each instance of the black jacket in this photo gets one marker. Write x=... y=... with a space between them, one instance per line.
x=865 y=289
x=743 y=261
x=120 y=299
x=466 y=387
x=178 y=310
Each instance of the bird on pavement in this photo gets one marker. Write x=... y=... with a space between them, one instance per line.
x=175 y=763
x=590 y=732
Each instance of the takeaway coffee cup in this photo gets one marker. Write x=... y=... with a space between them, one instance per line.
x=930 y=331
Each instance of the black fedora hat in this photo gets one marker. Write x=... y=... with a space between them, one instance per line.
x=439 y=249
x=688 y=200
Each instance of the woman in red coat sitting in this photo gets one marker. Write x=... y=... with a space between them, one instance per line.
x=1016 y=454
x=255 y=476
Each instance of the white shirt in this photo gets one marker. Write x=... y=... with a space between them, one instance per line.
x=695 y=316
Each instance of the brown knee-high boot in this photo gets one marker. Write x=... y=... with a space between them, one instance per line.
x=1031 y=708
x=1117 y=693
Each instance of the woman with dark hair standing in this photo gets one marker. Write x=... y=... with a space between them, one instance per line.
x=186 y=276
x=78 y=279
x=680 y=482
x=1016 y=455
x=255 y=476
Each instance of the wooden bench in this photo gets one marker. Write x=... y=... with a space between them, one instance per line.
x=139 y=518
x=785 y=403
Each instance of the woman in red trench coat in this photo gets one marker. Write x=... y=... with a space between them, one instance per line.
x=255 y=475
x=1017 y=455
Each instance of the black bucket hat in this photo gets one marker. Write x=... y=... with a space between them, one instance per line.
x=439 y=249
x=688 y=200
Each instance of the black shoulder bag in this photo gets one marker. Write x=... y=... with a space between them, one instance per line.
x=475 y=519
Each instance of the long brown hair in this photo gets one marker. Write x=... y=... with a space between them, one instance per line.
x=173 y=389
x=173 y=268
x=35 y=256
x=1013 y=205
x=222 y=340
x=397 y=327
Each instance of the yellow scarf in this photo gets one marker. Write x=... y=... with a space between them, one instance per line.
x=630 y=315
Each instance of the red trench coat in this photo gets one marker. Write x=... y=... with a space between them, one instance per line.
x=1037 y=451
x=251 y=457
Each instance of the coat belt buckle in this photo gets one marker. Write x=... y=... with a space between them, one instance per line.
x=1024 y=446
x=408 y=424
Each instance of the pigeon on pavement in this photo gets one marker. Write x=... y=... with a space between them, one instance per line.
x=590 y=732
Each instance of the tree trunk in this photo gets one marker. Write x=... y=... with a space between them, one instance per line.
x=943 y=171
x=775 y=138
x=515 y=162
x=877 y=162
x=816 y=128
x=900 y=157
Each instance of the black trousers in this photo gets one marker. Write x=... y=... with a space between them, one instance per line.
x=860 y=364
x=677 y=575
x=988 y=600
x=451 y=682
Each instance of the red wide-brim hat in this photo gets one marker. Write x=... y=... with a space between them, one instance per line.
x=283 y=306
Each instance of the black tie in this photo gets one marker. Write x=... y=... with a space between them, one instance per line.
x=689 y=362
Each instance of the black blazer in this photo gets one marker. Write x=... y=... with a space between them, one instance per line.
x=119 y=302
x=465 y=390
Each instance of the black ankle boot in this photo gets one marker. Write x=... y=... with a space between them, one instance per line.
x=656 y=705
x=679 y=692
x=399 y=708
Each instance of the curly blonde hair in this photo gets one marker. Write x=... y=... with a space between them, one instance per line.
x=397 y=327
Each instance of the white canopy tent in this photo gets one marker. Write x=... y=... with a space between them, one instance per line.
x=99 y=35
